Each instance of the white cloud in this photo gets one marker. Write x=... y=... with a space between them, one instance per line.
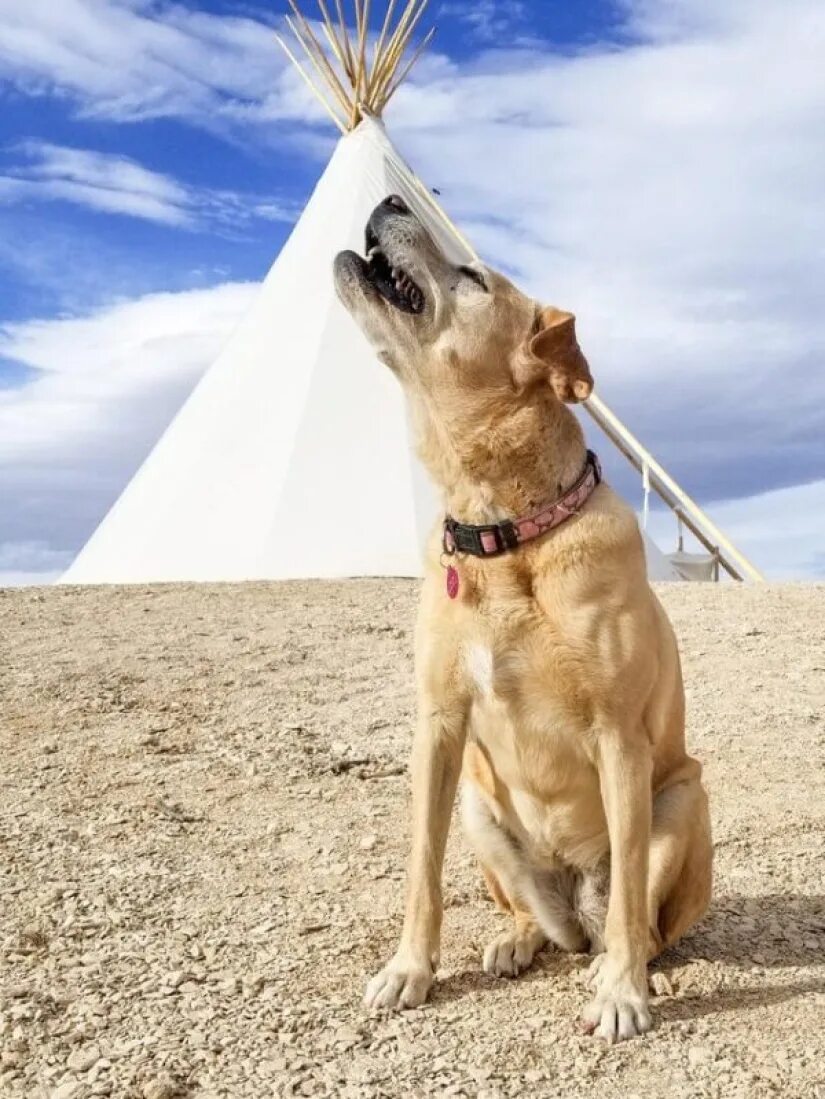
x=130 y=60
x=103 y=389
x=487 y=19
x=118 y=185
x=670 y=194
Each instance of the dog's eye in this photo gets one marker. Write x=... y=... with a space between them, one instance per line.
x=471 y=273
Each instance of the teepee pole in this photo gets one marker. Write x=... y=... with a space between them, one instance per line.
x=381 y=56
x=331 y=33
x=395 y=50
x=409 y=66
x=332 y=37
x=358 y=64
x=311 y=85
x=681 y=518
x=379 y=45
x=315 y=53
x=603 y=415
x=349 y=68
x=362 y=49
x=397 y=56
x=390 y=60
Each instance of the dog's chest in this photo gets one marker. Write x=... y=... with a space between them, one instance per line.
x=524 y=714
x=478 y=667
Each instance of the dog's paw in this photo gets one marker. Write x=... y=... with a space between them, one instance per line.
x=402 y=983
x=513 y=952
x=619 y=1010
x=594 y=969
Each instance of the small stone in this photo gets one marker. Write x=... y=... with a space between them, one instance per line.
x=81 y=1060
x=368 y=842
x=67 y=1090
x=162 y=1087
x=660 y=983
x=699 y=1055
x=345 y=1035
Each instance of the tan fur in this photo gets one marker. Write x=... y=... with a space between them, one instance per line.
x=554 y=675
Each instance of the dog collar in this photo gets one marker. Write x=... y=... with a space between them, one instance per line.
x=497 y=538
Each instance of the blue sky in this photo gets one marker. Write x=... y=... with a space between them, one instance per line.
x=140 y=255
x=153 y=157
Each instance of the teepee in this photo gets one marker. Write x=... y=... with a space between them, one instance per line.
x=292 y=457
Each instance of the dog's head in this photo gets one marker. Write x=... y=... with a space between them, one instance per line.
x=442 y=327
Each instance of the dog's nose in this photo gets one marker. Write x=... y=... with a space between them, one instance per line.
x=397 y=203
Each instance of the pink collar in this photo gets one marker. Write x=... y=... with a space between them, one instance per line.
x=497 y=538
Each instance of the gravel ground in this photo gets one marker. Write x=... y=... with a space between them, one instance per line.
x=203 y=833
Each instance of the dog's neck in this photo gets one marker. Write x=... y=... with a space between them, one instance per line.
x=494 y=465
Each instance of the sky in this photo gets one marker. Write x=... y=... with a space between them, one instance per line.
x=657 y=166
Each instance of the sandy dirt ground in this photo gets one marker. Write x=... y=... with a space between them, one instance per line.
x=203 y=833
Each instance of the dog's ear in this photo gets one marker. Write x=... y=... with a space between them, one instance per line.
x=553 y=354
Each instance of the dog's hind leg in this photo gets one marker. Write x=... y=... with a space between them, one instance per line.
x=540 y=902
x=681 y=856
x=513 y=951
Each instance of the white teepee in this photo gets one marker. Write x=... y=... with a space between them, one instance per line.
x=292 y=457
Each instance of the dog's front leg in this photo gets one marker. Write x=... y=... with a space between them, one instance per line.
x=436 y=764
x=620 y=1008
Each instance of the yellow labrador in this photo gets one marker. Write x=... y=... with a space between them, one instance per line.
x=546 y=666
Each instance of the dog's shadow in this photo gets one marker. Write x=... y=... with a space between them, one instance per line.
x=746 y=933
x=779 y=929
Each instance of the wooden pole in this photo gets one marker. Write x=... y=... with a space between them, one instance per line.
x=332 y=37
x=379 y=45
x=389 y=61
x=315 y=53
x=358 y=64
x=362 y=50
x=350 y=66
x=311 y=85
x=409 y=66
x=660 y=491
x=602 y=414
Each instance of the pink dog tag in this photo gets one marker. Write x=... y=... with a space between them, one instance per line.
x=452 y=581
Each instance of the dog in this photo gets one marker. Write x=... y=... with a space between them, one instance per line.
x=548 y=674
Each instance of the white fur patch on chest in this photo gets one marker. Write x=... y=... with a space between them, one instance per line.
x=478 y=661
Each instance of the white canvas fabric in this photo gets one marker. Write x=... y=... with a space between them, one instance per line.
x=659 y=566
x=700 y=567
x=292 y=457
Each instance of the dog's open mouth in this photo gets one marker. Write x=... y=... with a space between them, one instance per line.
x=392 y=283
